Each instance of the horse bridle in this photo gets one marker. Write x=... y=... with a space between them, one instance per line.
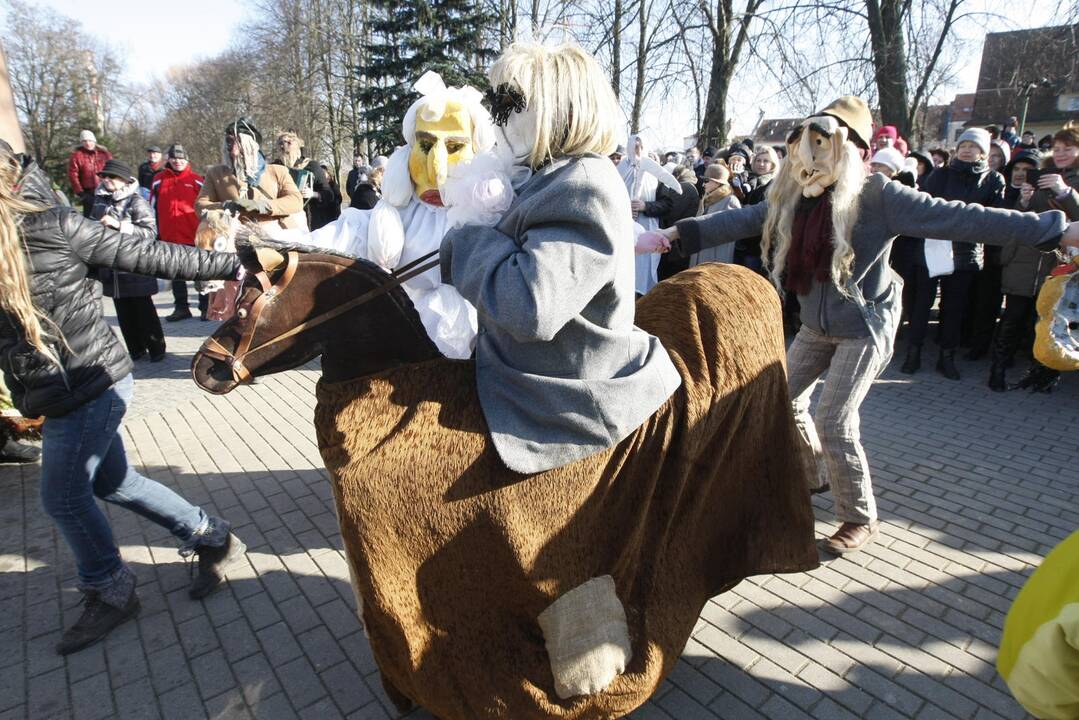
x=270 y=290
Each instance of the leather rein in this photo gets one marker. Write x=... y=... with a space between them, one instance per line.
x=270 y=290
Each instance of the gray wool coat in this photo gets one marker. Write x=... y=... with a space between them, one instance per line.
x=887 y=209
x=561 y=371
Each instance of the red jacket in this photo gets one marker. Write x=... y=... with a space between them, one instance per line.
x=83 y=167
x=172 y=196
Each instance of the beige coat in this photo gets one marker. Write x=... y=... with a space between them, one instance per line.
x=286 y=203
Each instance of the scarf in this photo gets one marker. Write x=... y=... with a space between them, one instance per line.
x=810 y=254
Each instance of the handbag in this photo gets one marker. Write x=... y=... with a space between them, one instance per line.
x=939 y=259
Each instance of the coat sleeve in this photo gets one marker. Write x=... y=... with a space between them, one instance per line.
x=99 y=246
x=531 y=287
x=208 y=199
x=913 y=213
x=73 y=173
x=707 y=231
x=1070 y=204
x=141 y=217
x=662 y=205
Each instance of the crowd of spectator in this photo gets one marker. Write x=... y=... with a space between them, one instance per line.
x=982 y=296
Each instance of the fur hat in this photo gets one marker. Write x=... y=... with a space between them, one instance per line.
x=717 y=172
x=87 y=135
x=978 y=136
x=740 y=150
x=852 y=112
x=889 y=157
x=118 y=169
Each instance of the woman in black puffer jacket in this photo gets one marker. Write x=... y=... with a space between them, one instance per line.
x=61 y=360
x=118 y=205
x=966 y=178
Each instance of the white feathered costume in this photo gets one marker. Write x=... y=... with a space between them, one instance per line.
x=642 y=176
x=401 y=228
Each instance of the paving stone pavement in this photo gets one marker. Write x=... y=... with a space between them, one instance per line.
x=974 y=488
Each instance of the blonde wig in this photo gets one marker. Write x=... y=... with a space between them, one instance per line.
x=15 y=298
x=576 y=110
x=785 y=193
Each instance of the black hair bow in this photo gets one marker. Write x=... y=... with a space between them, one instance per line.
x=503 y=101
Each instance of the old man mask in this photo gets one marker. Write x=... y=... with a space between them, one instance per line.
x=815 y=152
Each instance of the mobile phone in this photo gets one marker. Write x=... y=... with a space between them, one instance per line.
x=1033 y=175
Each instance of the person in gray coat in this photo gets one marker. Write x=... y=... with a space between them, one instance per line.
x=119 y=205
x=561 y=371
x=831 y=229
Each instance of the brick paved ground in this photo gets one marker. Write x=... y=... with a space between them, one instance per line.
x=974 y=488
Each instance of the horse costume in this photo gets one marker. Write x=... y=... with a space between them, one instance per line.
x=455 y=558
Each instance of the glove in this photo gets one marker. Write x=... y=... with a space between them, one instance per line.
x=262 y=205
x=247 y=206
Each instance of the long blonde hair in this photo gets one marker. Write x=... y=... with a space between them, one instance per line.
x=15 y=298
x=576 y=110
x=784 y=195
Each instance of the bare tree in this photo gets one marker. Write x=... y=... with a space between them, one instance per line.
x=730 y=35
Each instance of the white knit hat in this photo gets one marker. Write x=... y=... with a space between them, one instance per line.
x=87 y=135
x=978 y=136
x=888 y=156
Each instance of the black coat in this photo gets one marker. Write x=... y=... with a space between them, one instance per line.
x=363 y=196
x=325 y=206
x=133 y=209
x=63 y=248
x=968 y=183
x=147 y=172
x=670 y=207
x=751 y=246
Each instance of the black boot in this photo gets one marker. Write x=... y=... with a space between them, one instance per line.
x=913 y=361
x=1038 y=379
x=97 y=619
x=997 y=383
x=214 y=561
x=13 y=452
x=946 y=365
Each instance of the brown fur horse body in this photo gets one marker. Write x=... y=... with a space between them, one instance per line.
x=455 y=556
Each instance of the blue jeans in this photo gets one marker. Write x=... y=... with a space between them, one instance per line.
x=82 y=457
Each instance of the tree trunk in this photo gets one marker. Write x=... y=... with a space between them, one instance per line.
x=638 y=84
x=890 y=60
x=616 y=48
x=714 y=127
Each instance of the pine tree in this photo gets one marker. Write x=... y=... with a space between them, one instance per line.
x=407 y=40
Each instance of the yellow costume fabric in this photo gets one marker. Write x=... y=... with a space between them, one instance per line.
x=1039 y=652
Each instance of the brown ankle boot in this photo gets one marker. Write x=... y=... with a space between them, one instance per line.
x=851 y=537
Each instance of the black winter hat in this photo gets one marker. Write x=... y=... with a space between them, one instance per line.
x=176 y=151
x=118 y=169
x=1028 y=156
x=243 y=126
x=739 y=149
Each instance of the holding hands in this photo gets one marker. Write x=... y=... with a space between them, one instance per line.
x=655 y=241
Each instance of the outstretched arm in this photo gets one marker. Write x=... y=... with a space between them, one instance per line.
x=99 y=246
x=913 y=213
x=700 y=233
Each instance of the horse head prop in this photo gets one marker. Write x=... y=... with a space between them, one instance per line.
x=297 y=303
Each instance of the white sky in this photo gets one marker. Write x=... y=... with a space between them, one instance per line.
x=156 y=37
